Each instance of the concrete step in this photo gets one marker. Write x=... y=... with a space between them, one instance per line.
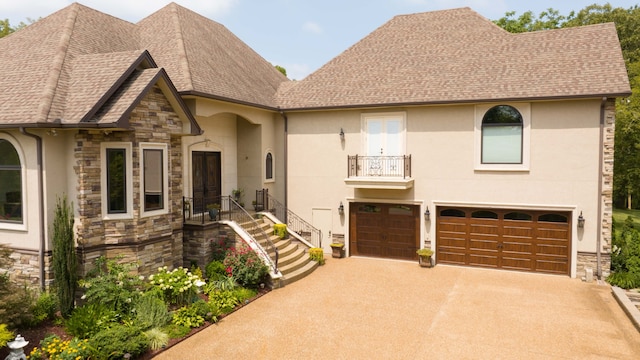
x=300 y=272
x=295 y=265
x=290 y=257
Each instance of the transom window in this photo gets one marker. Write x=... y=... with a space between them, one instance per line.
x=502 y=136
x=10 y=183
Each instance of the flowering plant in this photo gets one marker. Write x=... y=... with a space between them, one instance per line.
x=112 y=284
x=178 y=286
x=245 y=266
x=53 y=348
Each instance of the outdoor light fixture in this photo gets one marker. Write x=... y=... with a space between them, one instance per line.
x=580 y=220
x=427 y=215
x=341 y=208
x=341 y=134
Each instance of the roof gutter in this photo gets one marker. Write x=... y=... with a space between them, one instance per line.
x=38 y=139
x=600 y=180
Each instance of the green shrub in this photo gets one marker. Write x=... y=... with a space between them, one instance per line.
x=179 y=286
x=16 y=302
x=244 y=294
x=44 y=308
x=151 y=312
x=187 y=316
x=117 y=341
x=90 y=319
x=112 y=284
x=225 y=284
x=157 y=338
x=625 y=256
x=317 y=254
x=246 y=267
x=63 y=259
x=280 y=230
x=176 y=331
x=225 y=301
x=215 y=270
x=5 y=335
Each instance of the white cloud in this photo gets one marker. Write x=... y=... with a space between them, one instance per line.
x=312 y=27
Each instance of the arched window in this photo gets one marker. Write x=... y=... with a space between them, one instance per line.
x=268 y=166
x=502 y=135
x=10 y=183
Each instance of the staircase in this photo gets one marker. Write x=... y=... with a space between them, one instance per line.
x=293 y=263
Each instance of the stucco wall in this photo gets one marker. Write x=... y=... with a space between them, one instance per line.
x=563 y=171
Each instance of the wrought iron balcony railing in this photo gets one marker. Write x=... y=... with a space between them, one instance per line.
x=382 y=166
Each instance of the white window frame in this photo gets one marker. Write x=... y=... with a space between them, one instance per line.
x=165 y=179
x=273 y=166
x=384 y=115
x=525 y=111
x=23 y=173
x=128 y=214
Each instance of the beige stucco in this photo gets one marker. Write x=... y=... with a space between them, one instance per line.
x=242 y=135
x=562 y=174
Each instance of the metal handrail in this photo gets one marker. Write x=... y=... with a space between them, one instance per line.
x=240 y=215
x=228 y=209
x=294 y=222
x=382 y=166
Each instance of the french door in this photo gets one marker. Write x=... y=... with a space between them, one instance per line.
x=207 y=177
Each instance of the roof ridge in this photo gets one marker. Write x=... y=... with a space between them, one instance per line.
x=51 y=84
x=184 y=60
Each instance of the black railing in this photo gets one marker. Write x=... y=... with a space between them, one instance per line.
x=228 y=209
x=294 y=222
x=383 y=166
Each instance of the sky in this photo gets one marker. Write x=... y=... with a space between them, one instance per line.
x=299 y=35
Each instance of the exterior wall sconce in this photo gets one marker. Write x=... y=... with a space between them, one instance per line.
x=427 y=215
x=341 y=134
x=580 y=220
x=341 y=209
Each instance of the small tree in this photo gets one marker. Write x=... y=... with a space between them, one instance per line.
x=64 y=256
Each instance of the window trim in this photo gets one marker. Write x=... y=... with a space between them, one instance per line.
x=13 y=225
x=128 y=214
x=165 y=179
x=273 y=167
x=525 y=111
x=365 y=117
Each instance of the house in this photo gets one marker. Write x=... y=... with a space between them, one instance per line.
x=493 y=149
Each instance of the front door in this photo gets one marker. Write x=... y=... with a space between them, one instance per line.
x=207 y=178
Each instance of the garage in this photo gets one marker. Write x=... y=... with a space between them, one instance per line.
x=384 y=230
x=525 y=240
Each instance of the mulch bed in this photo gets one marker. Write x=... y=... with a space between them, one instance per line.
x=36 y=334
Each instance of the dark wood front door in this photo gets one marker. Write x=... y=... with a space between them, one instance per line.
x=526 y=240
x=206 y=179
x=384 y=230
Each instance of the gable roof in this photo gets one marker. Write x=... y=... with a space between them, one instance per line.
x=459 y=56
x=61 y=69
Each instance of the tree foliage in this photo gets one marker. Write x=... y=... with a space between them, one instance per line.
x=64 y=256
x=627 y=146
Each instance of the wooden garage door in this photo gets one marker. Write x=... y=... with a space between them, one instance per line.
x=537 y=241
x=384 y=230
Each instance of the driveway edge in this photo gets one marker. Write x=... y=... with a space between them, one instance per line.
x=629 y=308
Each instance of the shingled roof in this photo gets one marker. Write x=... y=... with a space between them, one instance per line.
x=459 y=56
x=63 y=68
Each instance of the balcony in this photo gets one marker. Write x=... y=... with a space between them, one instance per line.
x=379 y=172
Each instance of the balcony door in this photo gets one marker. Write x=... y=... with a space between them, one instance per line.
x=385 y=135
x=206 y=179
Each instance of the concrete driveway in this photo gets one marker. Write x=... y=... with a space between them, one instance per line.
x=358 y=308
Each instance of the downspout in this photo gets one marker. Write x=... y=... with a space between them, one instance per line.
x=600 y=180
x=40 y=202
x=286 y=161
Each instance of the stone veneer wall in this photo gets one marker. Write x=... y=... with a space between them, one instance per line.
x=152 y=241
x=590 y=259
x=197 y=242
